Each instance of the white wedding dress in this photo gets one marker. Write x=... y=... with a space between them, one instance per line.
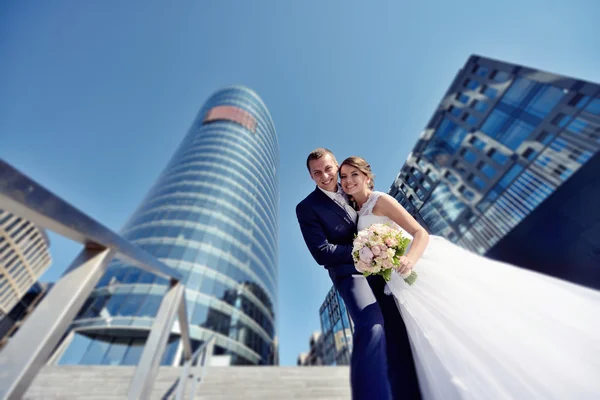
x=481 y=329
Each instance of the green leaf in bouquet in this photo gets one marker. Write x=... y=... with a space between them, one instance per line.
x=387 y=274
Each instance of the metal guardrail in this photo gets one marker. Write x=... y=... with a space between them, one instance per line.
x=27 y=352
x=201 y=358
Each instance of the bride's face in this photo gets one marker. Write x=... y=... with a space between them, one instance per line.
x=352 y=180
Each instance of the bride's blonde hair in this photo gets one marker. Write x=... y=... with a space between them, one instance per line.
x=362 y=165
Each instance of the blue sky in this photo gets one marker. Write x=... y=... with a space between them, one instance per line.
x=95 y=96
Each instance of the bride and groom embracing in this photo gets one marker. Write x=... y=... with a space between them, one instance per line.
x=468 y=328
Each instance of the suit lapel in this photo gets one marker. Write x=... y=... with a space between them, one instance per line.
x=333 y=206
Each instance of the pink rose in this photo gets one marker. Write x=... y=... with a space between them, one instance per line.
x=366 y=255
x=391 y=242
x=387 y=264
x=362 y=267
x=375 y=250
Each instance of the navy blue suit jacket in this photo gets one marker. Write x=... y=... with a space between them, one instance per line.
x=328 y=232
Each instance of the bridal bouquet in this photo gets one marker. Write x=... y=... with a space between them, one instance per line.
x=377 y=249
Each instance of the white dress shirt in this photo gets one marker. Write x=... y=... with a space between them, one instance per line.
x=341 y=200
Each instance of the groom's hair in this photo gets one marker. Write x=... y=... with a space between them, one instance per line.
x=318 y=153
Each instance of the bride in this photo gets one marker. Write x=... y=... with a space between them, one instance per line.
x=482 y=329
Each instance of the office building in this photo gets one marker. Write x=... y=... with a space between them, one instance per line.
x=14 y=319
x=315 y=355
x=507 y=167
x=337 y=328
x=212 y=215
x=24 y=257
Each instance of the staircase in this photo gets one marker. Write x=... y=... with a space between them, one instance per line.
x=112 y=382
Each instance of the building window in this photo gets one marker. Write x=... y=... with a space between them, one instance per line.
x=480 y=71
x=469 y=156
x=471 y=120
x=516 y=133
x=468 y=194
x=529 y=153
x=488 y=170
x=544 y=137
x=433 y=174
x=500 y=76
x=451 y=178
x=562 y=171
x=543 y=160
x=477 y=143
x=495 y=123
x=471 y=84
x=490 y=92
x=560 y=120
x=497 y=190
x=458 y=167
x=578 y=125
x=578 y=100
x=444 y=142
x=518 y=91
x=478 y=182
x=479 y=105
x=497 y=156
x=544 y=101
x=594 y=107
x=463 y=98
x=579 y=156
x=455 y=111
x=507 y=129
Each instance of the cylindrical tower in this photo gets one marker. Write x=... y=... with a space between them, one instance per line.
x=212 y=215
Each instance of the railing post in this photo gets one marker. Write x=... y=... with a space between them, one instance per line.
x=147 y=369
x=27 y=352
x=184 y=328
x=183 y=379
x=200 y=370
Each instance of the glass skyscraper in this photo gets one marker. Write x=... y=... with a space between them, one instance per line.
x=503 y=140
x=337 y=327
x=212 y=215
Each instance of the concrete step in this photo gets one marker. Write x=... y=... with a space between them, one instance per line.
x=112 y=382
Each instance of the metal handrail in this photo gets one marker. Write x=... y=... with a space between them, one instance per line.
x=206 y=350
x=27 y=352
x=25 y=197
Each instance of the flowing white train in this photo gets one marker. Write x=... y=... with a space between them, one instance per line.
x=481 y=329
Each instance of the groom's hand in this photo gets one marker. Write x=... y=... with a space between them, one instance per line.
x=405 y=264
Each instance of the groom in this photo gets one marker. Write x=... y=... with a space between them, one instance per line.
x=382 y=366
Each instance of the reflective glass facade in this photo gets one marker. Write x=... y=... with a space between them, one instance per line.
x=337 y=327
x=11 y=322
x=503 y=139
x=213 y=216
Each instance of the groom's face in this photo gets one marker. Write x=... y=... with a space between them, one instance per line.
x=324 y=172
